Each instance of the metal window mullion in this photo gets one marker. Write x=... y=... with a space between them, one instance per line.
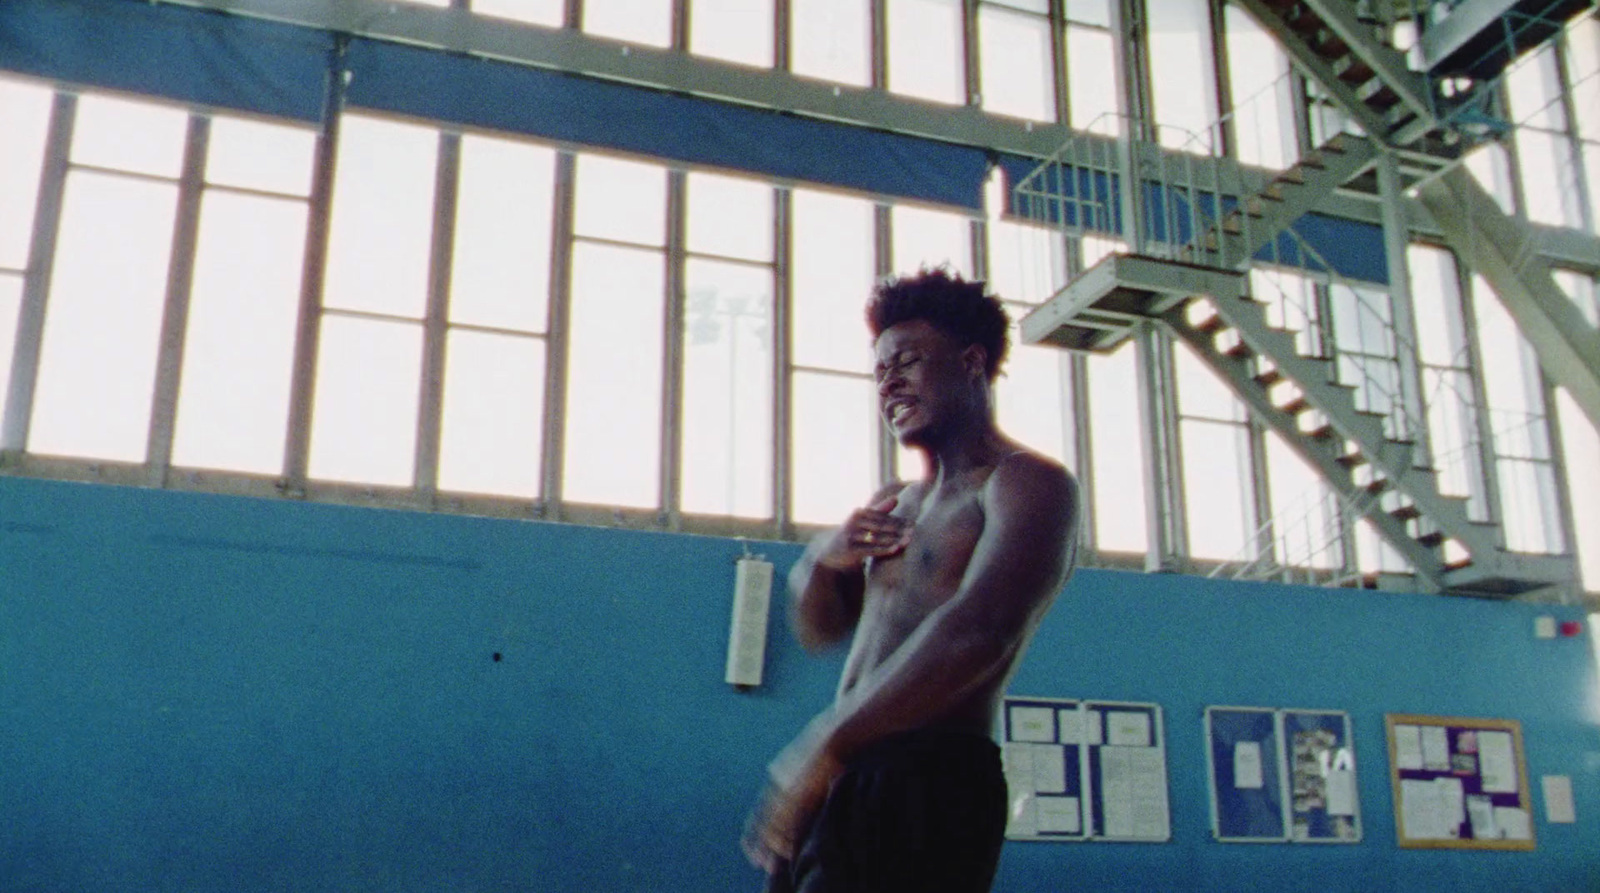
x=1224 y=141
x=1488 y=470
x=969 y=53
x=308 y=325
x=782 y=362
x=175 y=316
x=672 y=386
x=436 y=318
x=781 y=57
x=883 y=244
x=558 y=336
x=36 y=279
x=1402 y=317
x=680 y=25
x=1167 y=547
x=1588 y=215
x=880 y=44
x=1058 y=54
x=572 y=15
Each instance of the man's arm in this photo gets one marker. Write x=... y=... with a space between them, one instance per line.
x=827 y=584
x=1020 y=562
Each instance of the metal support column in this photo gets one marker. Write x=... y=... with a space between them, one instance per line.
x=1164 y=516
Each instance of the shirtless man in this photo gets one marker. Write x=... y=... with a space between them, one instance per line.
x=898 y=785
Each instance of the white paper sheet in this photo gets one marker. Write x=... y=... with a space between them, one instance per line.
x=1341 y=792
x=1023 y=820
x=1421 y=813
x=1496 y=763
x=1247 y=765
x=1558 y=805
x=1133 y=791
x=1049 y=768
x=1061 y=815
x=1093 y=728
x=1033 y=724
x=1514 y=823
x=1408 y=747
x=1126 y=728
x=1436 y=748
x=1070 y=724
x=1480 y=810
x=1452 y=803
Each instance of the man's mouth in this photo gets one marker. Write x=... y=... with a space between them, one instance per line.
x=897 y=409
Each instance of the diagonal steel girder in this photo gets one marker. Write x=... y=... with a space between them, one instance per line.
x=1502 y=249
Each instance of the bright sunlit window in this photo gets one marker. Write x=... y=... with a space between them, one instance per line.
x=1016 y=62
x=24 y=119
x=645 y=22
x=732 y=30
x=831 y=40
x=536 y=12
x=1180 y=73
x=1117 y=447
x=926 y=60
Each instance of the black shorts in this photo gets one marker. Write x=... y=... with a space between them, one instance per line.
x=921 y=811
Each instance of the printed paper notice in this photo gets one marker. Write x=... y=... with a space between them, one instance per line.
x=1024 y=818
x=1436 y=748
x=1558 y=805
x=1247 y=765
x=1133 y=788
x=1514 y=823
x=1059 y=815
x=1407 y=747
x=1033 y=724
x=1480 y=811
x=1071 y=723
x=1125 y=728
x=1049 y=768
x=1452 y=803
x=1341 y=792
x=1421 y=812
x=1496 y=765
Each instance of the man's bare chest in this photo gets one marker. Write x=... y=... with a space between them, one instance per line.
x=929 y=570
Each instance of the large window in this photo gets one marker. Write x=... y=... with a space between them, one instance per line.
x=1182 y=75
x=925 y=50
x=1217 y=476
x=108 y=282
x=831 y=40
x=732 y=30
x=1016 y=62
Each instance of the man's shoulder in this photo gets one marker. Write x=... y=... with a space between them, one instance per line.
x=1028 y=477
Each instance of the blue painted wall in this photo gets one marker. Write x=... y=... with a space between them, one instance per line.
x=207 y=693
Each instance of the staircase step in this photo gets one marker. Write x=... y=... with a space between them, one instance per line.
x=1352 y=460
x=1433 y=539
x=1406 y=513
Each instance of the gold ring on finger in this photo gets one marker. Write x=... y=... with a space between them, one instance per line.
x=868 y=537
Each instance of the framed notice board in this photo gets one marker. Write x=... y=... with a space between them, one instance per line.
x=1282 y=775
x=1085 y=770
x=1459 y=783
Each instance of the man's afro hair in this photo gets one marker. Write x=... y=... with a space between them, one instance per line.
x=955 y=306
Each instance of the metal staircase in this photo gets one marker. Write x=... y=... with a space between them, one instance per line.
x=1195 y=230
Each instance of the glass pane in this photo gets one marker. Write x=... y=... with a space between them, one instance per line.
x=1584 y=292
x=1491 y=167
x=501 y=273
x=1026 y=263
x=382 y=229
x=730 y=217
x=621 y=200
x=1216 y=481
x=733 y=30
x=1436 y=301
x=1201 y=394
x=1361 y=321
x=647 y=22
x=492 y=427
x=364 y=425
x=727 y=390
x=1091 y=81
x=613 y=435
x=1181 y=73
x=1118 y=451
x=1306 y=524
x=238 y=353
x=24 y=122
x=1580 y=445
x=1033 y=397
x=831 y=40
x=925 y=50
x=257 y=155
x=1089 y=12
x=537 y=12
x=1527 y=500
x=1263 y=112
x=925 y=239
x=10 y=305
x=98 y=357
x=835 y=447
x=833 y=274
x=1017 y=70
x=129 y=136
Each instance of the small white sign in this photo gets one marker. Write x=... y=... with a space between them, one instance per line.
x=1558 y=805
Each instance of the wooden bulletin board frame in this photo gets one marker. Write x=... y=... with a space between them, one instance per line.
x=1450 y=753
